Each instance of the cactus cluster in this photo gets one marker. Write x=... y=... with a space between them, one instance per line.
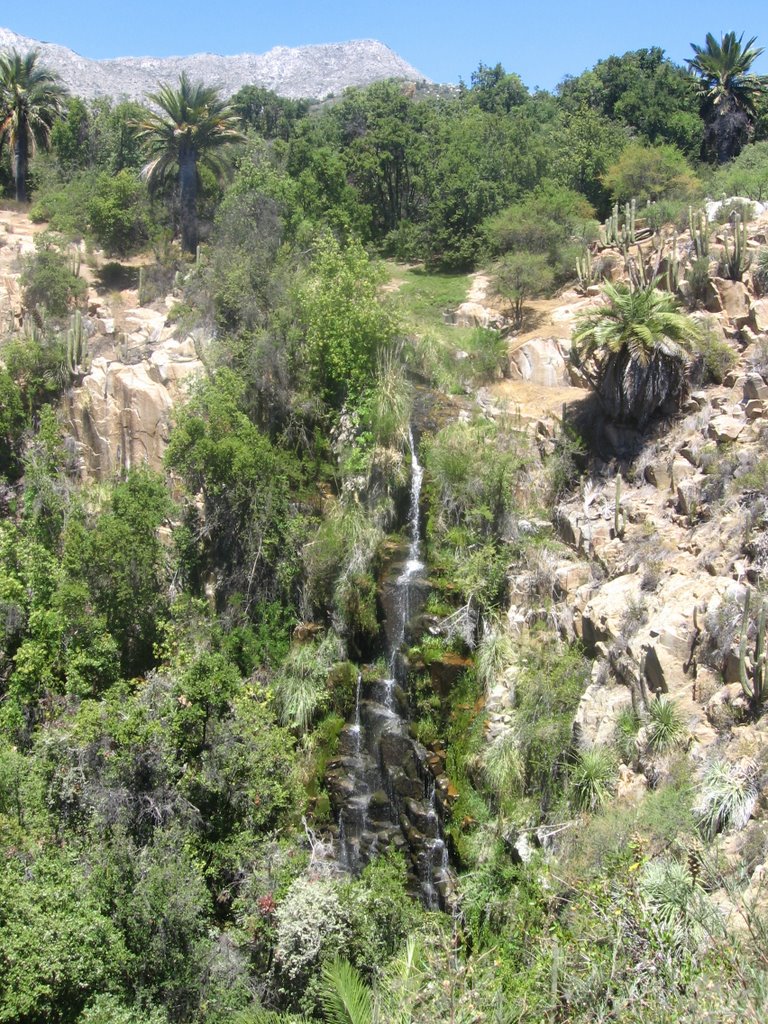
x=673 y=267
x=621 y=233
x=619 y=519
x=699 y=228
x=142 y=297
x=586 y=270
x=74 y=260
x=734 y=261
x=754 y=687
x=77 y=344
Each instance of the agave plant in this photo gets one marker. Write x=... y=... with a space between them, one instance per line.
x=675 y=902
x=665 y=725
x=633 y=349
x=592 y=778
x=727 y=796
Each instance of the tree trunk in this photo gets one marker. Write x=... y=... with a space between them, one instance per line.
x=20 y=164
x=188 y=197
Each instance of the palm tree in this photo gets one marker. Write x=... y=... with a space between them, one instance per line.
x=31 y=98
x=189 y=131
x=633 y=351
x=728 y=90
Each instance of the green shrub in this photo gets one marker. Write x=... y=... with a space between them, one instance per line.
x=48 y=280
x=665 y=729
x=727 y=794
x=592 y=778
x=717 y=357
x=117 y=214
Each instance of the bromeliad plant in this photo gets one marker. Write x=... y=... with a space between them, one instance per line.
x=634 y=349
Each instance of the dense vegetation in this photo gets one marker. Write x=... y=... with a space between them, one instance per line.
x=165 y=726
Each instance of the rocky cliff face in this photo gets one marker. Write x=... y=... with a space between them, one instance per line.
x=303 y=72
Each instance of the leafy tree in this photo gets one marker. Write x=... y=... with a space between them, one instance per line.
x=12 y=423
x=520 y=276
x=117 y=217
x=272 y=116
x=57 y=948
x=496 y=91
x=119 y=559
x=638 y=340
x=246 y=484
x=650 y=173
x=71 y=136
x=747 y=175
x=345 y=323
x=728 y=91
x=48 y=280
x=644 y=92
x=31 y=98
x=185 y=137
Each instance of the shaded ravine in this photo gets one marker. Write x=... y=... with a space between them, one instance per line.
x=381 y=786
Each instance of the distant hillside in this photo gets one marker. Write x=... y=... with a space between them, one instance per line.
x=302 y=72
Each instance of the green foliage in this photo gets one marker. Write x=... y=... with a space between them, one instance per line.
x=12 y=424
x=519 y=277
x=186 y=135
x=717 y=356
x=117 y=215
x=642 y=91
x=728 y=91
x=345 y=324
x=247 y=484
x=650 y=173
x=58 y=948
x=592 y=778
x=666 y=729
x=121 y=560
x=302 y=688
x=640 y=340
x=746 y=175
x=47 y=278
x=727 y=794
x=31 y=99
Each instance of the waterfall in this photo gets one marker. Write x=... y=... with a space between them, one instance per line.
x=380 y=784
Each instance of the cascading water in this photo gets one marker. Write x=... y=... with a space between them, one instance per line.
x=380 y=784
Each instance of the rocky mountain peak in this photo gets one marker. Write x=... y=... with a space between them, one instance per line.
x=301 y=72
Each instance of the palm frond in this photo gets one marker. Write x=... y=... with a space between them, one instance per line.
x=344 y=996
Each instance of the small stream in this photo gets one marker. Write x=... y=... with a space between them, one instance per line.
x=380 y=785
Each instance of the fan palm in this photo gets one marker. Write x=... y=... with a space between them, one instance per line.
x=633 y=350
x=31 y=98
x=189 y=132
x=728 y=90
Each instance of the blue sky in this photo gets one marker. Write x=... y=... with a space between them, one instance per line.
x=445 y=40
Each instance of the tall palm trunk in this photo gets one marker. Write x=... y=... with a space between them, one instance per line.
x=188 y=196
x=20 y=164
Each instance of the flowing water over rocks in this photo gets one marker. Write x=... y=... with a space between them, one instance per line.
x=381 y=785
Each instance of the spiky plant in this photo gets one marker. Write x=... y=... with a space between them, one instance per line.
x=494 y=655
x=634 y=349
x=727 y=796
x=674 y=901
x=390 y=401
x=666 y=728
x=345 y=997
x=627 y=727
x=592 y=778
x=301 y=684
x=503 y=765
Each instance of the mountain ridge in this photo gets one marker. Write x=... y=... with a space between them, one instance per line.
x=311 y=72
